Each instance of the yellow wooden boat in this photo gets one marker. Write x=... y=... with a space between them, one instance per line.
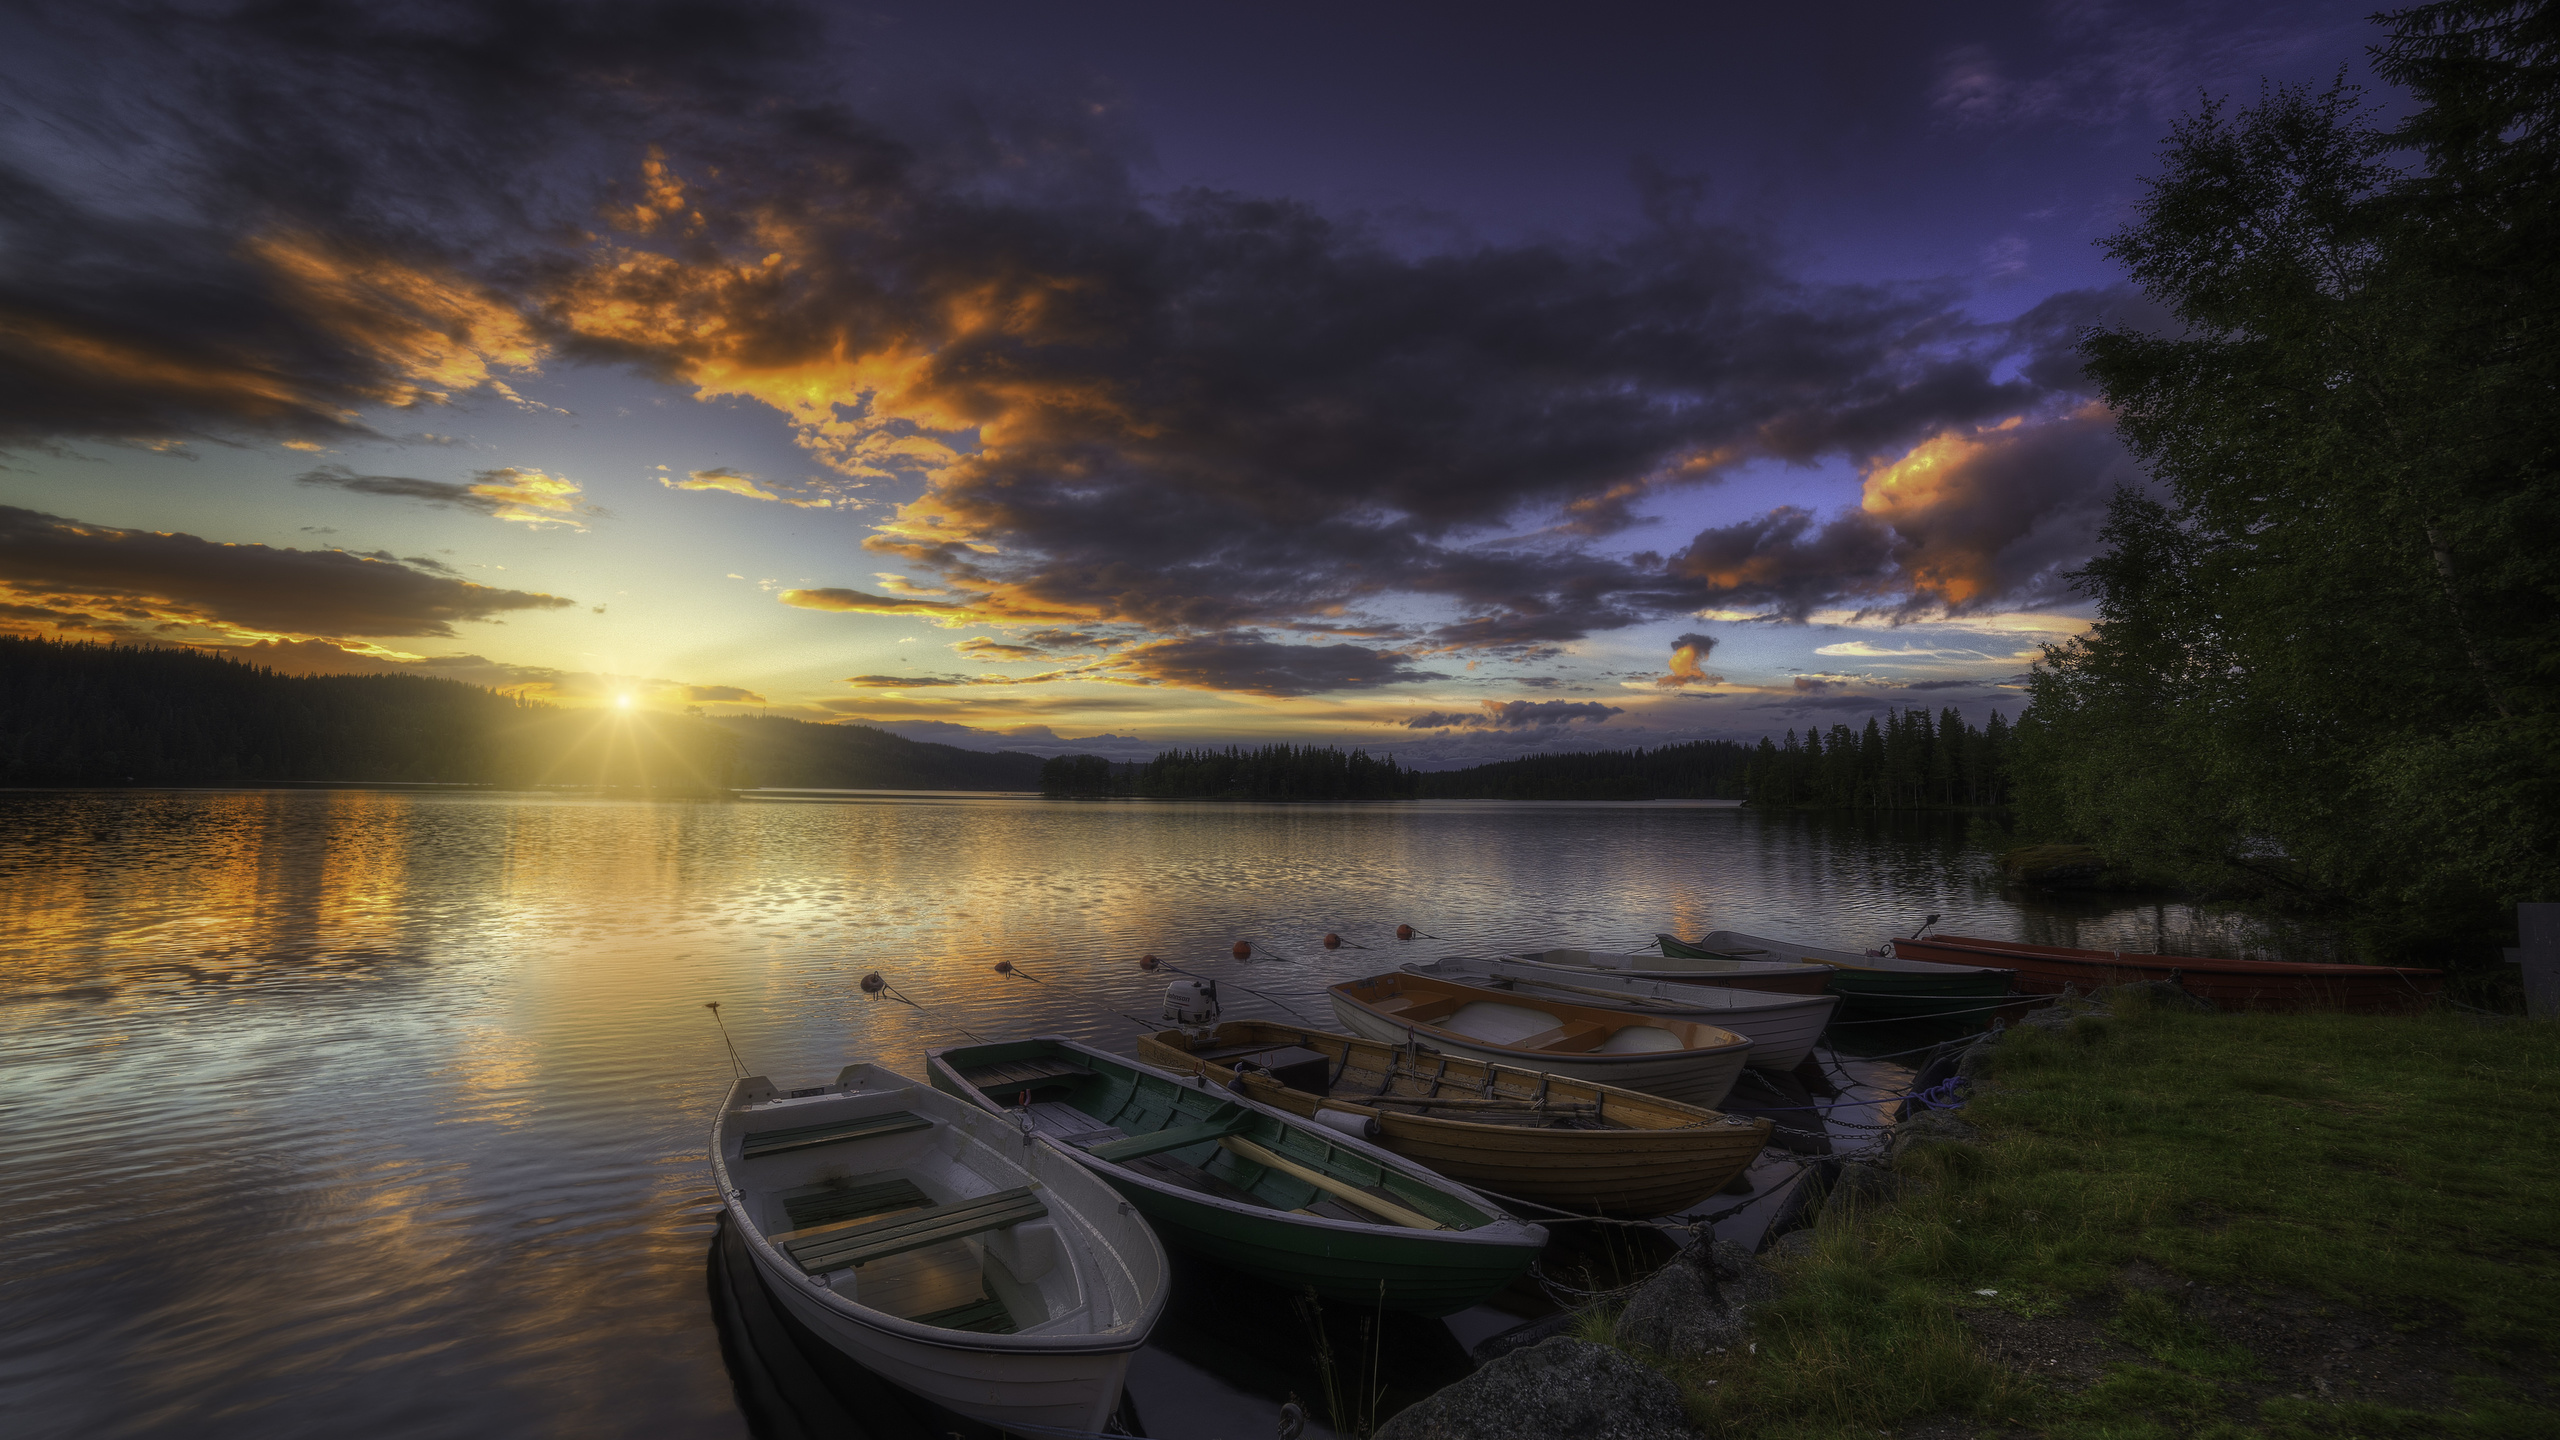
x=1511 y=1132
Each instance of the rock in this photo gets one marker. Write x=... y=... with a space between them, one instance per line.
x=1558 y=1387
x=1521 y=1337
x=1794 y=1245
x=1739 y=1273
x=1680 y=1313
x=1927 y=1125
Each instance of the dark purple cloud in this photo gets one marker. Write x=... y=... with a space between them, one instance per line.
x=138 y=578
x=1516 y=715
x=1203 y=416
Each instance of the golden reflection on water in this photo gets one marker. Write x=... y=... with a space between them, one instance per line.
x=383 y=1113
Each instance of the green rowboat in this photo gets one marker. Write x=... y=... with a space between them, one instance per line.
x=1877 y=985
x=1279 y=1197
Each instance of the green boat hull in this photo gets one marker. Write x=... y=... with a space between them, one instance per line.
x=1427 y=1272
x=1421 y=1276
x=1890 y=992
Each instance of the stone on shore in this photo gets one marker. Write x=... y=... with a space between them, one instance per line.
x=1559 y=1387
x=1680 y=1313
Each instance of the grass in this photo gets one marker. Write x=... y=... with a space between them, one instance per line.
x=2349 y=1169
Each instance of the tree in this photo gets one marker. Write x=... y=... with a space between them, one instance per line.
x=2327 y=660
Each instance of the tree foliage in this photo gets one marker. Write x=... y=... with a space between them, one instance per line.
x=2328 y=653
x=1909 y=760
x=1695 y=770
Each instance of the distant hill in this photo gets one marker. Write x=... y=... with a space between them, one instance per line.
x=85 y=714
x=1700 y=770
x=793 y=754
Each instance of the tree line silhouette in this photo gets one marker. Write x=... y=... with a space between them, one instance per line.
x=1907 y=761
x=76 y=713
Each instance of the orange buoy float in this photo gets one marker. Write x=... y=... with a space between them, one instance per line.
x=1404 y=932
x=1240 y=950
x=1004 y=967
x=1148 y=962
x=1332 y=941
x=872 y=984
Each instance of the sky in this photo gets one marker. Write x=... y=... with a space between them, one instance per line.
x=1457 y=382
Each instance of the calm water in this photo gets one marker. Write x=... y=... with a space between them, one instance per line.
x=355 y=1113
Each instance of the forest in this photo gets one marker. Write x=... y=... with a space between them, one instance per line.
x=1907 y=761
x=2326 y=668
x=1268 y=772
x=87 y=714
x=1699 y=770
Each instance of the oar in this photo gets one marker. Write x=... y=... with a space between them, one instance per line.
x=1336 y=1188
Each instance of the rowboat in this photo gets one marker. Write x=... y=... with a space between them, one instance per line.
x=931 y=1244
x=2230 y=984
x=1675 y=1059
x=1254 y=1188
x=1871 y=984
x=1515 y=1132
x=1787 y=977
x=1781 y=1028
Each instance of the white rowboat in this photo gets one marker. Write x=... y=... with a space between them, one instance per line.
x=1781 y=1028
x=939 y=1247
x=1677 y=1059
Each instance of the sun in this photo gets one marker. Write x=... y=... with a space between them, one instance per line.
x=622 y=702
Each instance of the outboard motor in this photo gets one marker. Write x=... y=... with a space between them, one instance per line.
x=1191 y=1004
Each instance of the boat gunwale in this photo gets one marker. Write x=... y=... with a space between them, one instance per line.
x=1119 y=1340
x=1762 y=1001
x=1605 y=1094
x=1575 y=1057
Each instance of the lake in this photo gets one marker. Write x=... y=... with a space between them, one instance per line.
x=376 y=1113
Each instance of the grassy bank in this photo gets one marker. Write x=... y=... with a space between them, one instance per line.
x=2191 y=1225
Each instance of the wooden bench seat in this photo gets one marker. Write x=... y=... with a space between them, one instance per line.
x=835 y=1247
x=804 y=1137
x=1172 y=1137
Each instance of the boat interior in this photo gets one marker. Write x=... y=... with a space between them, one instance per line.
x=1191 y=1137
x=1376 y=1076
x=903 y=1214
x=1562 y=1030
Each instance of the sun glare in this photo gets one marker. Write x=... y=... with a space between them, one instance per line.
x=622 y=702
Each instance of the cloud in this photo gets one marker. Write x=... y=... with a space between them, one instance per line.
x=1517 y=715
x=121 y=581
x=526 y=496
x=1182 y=416
x=979 y=647
x=1688 y=661
x=1256 y=666
x=728 y=694
x=740 y=483
x=1963 y=521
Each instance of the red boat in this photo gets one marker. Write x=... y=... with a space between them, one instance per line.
x=2229 y=984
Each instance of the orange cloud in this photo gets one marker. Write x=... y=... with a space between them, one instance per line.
x=739 y=483
x=439 y=335
x=530 y=497
x=1688 y=663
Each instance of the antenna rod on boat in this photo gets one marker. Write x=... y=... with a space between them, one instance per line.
x=714 y=1007
x=1924 y=927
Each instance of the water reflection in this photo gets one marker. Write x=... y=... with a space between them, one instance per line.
x=341 y=1112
